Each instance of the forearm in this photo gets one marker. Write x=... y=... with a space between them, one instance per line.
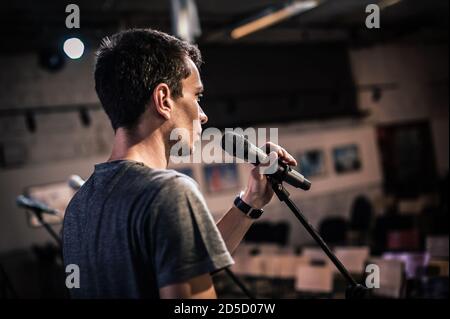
x=233 y=226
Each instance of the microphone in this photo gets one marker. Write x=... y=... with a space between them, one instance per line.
x=30 y=203
x=75 y=182
x=238 y=146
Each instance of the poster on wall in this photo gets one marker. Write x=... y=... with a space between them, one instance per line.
x=346 y=159
x=221 y=177
x=312 y=163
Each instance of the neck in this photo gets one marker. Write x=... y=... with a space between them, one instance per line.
x=150 y=150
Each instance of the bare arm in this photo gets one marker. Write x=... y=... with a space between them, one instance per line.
x=200 y=287
x=235 y=224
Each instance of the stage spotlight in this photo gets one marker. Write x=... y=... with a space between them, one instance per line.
x=51 y=59
x=74 y=48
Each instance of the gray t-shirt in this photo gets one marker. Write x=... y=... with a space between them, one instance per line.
x=132 y=230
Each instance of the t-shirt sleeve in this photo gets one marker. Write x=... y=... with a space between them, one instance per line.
x=185 y=240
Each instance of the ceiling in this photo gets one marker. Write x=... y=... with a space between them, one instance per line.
x=28 y=25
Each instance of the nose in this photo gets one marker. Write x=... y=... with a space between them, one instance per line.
x=203 y=117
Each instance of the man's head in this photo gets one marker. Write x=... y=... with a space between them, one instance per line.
x=146 y=71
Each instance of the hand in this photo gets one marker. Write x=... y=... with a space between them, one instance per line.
x=259 y=191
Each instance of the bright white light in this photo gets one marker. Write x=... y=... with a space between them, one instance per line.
x=74 y=48
x=275 y=17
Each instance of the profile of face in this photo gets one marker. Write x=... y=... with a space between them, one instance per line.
x=183 y=116
x=187 y=114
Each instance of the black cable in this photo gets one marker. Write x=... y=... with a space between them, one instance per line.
x=5 y=284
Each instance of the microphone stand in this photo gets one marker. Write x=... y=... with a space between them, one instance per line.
x=38 y=213
x=354 y=290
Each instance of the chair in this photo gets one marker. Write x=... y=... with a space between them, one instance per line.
x=267 y=232
x=334 y=230
x=360 y=220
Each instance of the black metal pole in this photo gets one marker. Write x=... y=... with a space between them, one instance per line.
x=283 y=195
x=239 y=284
x=48 y=228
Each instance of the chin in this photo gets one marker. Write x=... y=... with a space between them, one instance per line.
x=192 y=148
x=195 y=143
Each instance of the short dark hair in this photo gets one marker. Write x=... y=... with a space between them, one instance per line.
x=130 y=64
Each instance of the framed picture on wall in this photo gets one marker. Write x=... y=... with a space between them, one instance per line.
x=312 y=163
x=346 y=158
x=221 y=177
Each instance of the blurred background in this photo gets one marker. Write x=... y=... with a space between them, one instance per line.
x=364 y=110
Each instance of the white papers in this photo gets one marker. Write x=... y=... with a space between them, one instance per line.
x=391 y=277
x=353 y=258
x=270 y=266
x=314 y=279
x=315 y=254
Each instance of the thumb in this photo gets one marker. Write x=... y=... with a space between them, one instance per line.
x=269 y=166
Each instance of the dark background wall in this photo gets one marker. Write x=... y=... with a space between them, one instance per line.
x=265 y=83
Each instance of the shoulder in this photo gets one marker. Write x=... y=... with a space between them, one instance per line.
x=169 y=178
x=181 y=181
x=173 y=184
x=178 y=200
x=161 y=178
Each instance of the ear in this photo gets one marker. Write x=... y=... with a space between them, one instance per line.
x=163 y=101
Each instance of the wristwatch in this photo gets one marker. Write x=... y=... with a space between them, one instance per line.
x=247 y=209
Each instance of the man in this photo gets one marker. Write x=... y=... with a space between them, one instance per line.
x=136 y=229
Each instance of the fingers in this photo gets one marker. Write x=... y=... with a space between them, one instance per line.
x=281 y=152
x=269 y=166
x=272 y=158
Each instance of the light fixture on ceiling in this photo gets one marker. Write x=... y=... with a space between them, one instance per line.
x=185 y=20
x=273 y=17
x=73 y=48
x=387 y=3
x=51 y=59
